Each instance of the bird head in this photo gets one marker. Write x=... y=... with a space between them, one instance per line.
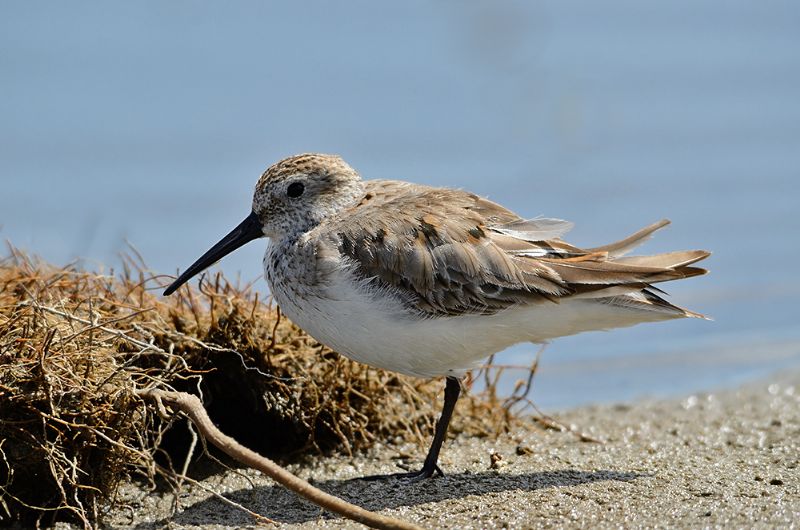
x=291 y=197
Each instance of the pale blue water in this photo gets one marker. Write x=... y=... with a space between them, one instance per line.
x=150 y=122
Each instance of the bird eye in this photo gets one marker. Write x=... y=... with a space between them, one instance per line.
x=295 y=190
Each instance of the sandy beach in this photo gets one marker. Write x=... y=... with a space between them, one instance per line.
x=724 y=459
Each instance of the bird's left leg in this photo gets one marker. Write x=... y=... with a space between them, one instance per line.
x=451 y=392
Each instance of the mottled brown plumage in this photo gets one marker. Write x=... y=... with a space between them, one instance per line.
x=453 y=252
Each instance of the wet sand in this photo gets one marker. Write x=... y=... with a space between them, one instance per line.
x=727 y=459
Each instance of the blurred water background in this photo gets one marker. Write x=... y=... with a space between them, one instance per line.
x=150 y=121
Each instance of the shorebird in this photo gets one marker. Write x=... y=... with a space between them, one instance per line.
x=429 y=281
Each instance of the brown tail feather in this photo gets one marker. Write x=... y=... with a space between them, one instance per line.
x=647 y=300
x=667 y=260
x=623 y=246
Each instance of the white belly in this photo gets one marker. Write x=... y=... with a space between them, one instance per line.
x=380 y=332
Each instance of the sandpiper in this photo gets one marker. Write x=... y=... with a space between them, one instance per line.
x=429 y=281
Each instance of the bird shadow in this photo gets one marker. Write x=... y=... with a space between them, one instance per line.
x=281 y=505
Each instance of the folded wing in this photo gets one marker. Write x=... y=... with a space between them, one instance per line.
x=448 y=252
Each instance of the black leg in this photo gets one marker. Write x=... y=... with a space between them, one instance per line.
x=451 y=392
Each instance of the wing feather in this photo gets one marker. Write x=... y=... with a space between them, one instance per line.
x=448 y=252
x=538 y=229
x=622 y=247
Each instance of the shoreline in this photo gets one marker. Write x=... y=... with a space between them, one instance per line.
x=723 y=459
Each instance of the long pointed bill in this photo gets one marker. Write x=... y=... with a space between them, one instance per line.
x=248 y=230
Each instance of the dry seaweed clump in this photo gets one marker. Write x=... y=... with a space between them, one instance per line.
x=75 y=346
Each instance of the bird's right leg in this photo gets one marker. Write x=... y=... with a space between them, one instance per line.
x=430 y=468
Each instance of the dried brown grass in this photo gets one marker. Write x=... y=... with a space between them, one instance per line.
x=76 y=345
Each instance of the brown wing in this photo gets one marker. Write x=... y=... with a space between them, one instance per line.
x=449 y=252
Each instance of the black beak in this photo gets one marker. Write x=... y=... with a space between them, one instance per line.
x=248 y=230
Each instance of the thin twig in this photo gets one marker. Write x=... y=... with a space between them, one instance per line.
x=193 y=407
x=113 y=332
x=257 y=516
